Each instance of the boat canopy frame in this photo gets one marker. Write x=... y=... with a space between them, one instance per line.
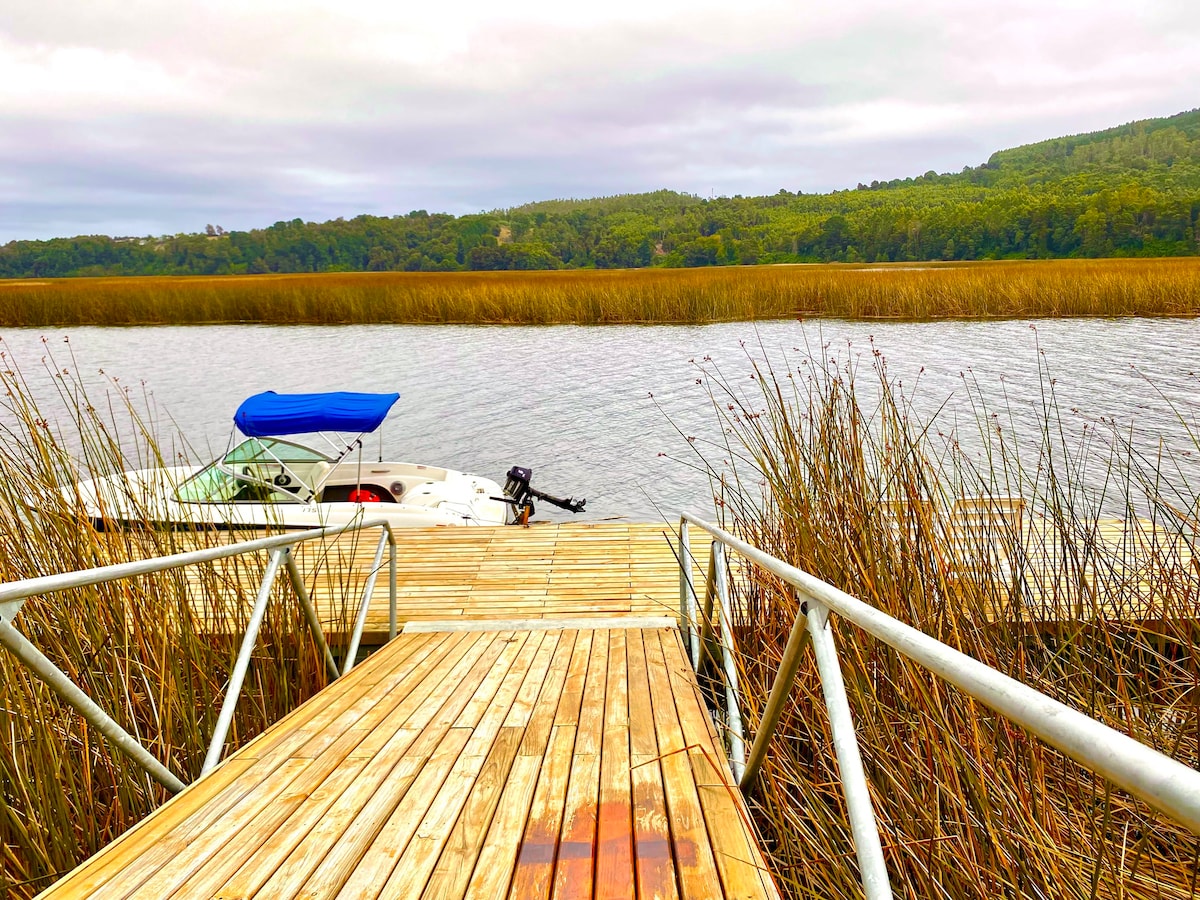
x=269 y=416
x=247 y=470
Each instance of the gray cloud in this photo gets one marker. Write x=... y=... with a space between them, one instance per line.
x=136 y=118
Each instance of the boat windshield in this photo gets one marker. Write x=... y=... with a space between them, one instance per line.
x=258 y=470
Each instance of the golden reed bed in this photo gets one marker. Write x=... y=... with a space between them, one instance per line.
x=1125 y=287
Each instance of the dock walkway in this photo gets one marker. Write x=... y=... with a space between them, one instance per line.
x=535 y=731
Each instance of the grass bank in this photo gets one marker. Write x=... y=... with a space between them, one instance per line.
x=1127 y=287
x=138 y=647
x=830 y=467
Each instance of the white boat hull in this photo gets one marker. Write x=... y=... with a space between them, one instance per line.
x=427 y=497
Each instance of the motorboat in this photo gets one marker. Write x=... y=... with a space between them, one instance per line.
x=269 y=479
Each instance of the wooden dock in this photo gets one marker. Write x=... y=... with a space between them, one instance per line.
x=545 y=571
x=535 y=731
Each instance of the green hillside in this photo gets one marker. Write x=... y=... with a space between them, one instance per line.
x=1133 y=190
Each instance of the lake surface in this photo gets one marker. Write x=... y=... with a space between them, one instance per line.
x=587 y=407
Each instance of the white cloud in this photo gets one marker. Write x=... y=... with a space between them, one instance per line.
x=76 y=81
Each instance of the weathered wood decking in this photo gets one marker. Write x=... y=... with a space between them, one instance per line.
x=564 y=755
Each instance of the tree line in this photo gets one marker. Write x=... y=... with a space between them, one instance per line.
x=1127 y=191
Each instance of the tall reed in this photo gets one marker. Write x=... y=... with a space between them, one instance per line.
x=833 y=469
x=154 y=652
x=1127 y=287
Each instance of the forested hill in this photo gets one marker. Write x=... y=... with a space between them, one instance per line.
x=1127 y=191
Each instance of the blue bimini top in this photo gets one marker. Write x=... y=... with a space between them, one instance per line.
x=270 y=414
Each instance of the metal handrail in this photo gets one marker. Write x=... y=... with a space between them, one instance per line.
x=1162 y=782
x=14 y=594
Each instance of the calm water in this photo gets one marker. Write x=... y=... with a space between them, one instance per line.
x=575 y=403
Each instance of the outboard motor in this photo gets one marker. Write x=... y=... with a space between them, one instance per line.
x=518 y=492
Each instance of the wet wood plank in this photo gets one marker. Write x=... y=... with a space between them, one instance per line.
x=574 y=866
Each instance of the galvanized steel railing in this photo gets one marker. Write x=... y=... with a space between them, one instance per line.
x=14 y=594
x=1164 y=783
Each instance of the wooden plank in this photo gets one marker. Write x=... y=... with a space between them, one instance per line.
x=538 y=625
x=694 y=862
x=533 y=872
x=655 y=865
x=375 y=851
x=496 y=653
x=170 y=847
x=614 y=826
x=555 y=747
x=469 y=794
x=225 y=848
x=573 y=868
x=576 y=679
x=203 y=866
x=334 y=846
x=493 y=869
x=534 y=684
x=401 y=665
x=254 y=872
x=453 y=858
x=363 y=860
x=497 y=858
x=541 y=719
x=113 y=859
x=515 y=644
x=347 y=704
x=488 y=570
x=405 y=688
x=734 y=845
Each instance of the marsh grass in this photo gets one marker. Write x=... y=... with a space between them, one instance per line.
x=1127 y=287
x=152 y=651
x=830 y=467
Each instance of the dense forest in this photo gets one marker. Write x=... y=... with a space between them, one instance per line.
x=1127 y=191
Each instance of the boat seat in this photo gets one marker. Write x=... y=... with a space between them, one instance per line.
x=419 y=495
x=319 y=471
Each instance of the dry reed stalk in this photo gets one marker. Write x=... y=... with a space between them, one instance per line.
x=1124 y=287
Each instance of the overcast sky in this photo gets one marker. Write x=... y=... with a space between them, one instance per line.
x=138 y=117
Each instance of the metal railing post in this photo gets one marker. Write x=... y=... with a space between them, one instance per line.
x=710 y=591
x=58 y=681
x=234 y=690
x=310 y=612
x=361 y=618
x=867 y=846
x=687 y=593
x=789 y=665
x=391 y=584
x=733 y=715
